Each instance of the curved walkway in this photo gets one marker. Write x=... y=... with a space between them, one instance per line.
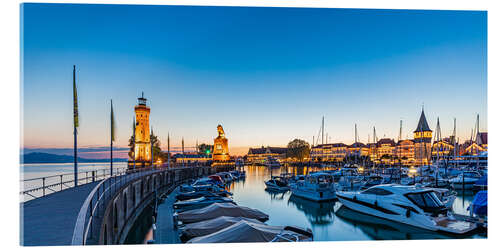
x=50 y=220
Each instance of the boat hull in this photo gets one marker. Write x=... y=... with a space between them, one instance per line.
x=314 y=195
x=391 y=215
x=445 y=224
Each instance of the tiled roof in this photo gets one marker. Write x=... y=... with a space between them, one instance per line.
x=263 y=150
x=422 y=124
x=358 y=145
x=386 y=141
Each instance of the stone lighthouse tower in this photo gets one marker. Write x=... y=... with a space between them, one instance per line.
x=142 y=140
x=422 y=137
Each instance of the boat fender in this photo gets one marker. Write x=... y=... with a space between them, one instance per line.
x=355 y=198
x=408 y=212
x=375 y=203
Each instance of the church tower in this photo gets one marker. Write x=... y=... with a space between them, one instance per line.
x=142 y=139
x=422 y=137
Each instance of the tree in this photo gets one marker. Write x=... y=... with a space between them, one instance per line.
x=298 y=149
x=157 y=153
x=205 y=149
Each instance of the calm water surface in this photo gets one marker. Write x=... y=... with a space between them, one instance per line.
x=329 y=221
x=34 y=171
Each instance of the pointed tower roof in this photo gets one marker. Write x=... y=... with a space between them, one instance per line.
x=422 y=123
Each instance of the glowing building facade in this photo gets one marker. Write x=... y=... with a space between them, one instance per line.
x=422 y=137
x=221 y=149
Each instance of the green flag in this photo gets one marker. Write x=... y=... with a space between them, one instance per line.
x=75 y=101
x=112 y=123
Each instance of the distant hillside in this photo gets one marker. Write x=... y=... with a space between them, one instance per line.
x=53 y=158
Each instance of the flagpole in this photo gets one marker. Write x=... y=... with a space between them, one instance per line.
x=112 y=138
x=75 y=124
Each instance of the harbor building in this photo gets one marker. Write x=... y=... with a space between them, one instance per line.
x=442 y=148
x=405 y=152
x=192 y=158
x=221 y=149
x=142 y=143
x=260 y=155
x=475 y=147
x=372 y=151
x=422 y=137
x=386 y=148
x=358 y=149
x=329 y=152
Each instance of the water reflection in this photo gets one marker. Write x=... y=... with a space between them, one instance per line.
x=329 y=221
x=275 y=195
x=318 y=213
x=381 y=229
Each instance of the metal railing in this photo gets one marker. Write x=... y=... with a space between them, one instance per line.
x=38 y=187
x=92 y=211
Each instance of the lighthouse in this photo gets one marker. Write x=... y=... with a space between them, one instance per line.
x=142 y=149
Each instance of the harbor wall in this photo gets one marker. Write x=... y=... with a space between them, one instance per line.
x=128 y=202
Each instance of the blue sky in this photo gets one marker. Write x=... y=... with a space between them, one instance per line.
x=267 y=75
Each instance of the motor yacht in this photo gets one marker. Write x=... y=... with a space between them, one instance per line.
x=411 y=205
x=465 y=181
x=372 y=181
x=277 y=183
x=316 y=187
x=350 y=179
x=446 y=196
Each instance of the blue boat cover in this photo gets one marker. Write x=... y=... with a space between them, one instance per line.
x=480 y=203
x=483 y=181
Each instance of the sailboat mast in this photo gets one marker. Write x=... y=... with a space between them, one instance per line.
x=323 y=130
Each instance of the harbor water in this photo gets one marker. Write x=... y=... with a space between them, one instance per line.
x=329 y=221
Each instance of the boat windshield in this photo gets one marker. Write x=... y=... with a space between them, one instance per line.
x=428 y=201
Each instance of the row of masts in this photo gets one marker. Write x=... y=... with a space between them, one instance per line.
x=437 y=135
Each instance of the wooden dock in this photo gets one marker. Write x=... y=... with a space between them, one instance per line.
x=166 y=233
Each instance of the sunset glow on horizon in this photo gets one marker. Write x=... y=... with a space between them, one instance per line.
x=267 y=75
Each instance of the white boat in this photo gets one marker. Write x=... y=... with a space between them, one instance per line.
x=446 y=196
x=316 y=187
x=466 y=180
x=350 y=179
x=276 y=183
x=410 y=205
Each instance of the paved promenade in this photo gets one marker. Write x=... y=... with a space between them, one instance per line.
x=50 y=220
